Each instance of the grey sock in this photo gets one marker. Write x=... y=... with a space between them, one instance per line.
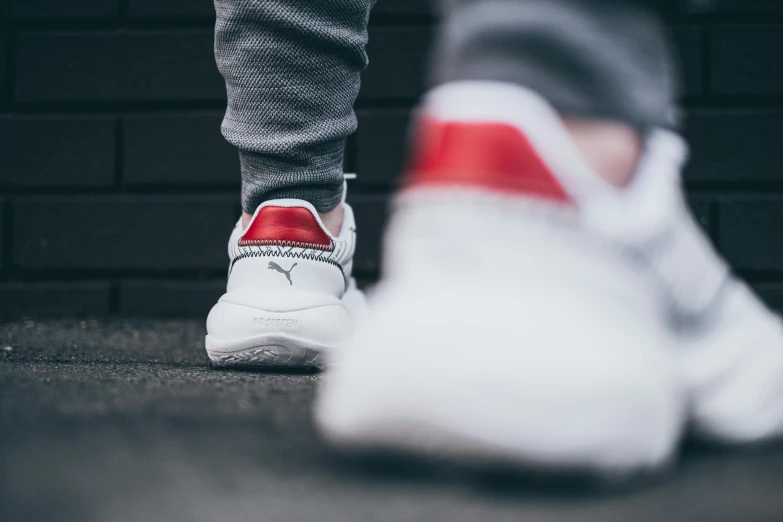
x=600 y=58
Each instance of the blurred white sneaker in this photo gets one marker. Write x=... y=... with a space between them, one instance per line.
x=290 y=301
x=533 y=314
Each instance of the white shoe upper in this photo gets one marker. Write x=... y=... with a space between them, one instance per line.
x=290 y=298
x=532 y=312
x=647 y=219
x=728 y=345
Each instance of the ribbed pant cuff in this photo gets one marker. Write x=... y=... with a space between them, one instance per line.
x=319 y=183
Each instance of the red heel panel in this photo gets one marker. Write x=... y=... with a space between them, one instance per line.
x=286 y=226
x=493 y=156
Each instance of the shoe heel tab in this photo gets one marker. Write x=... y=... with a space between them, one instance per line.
x=289 y=223
x=493 y=156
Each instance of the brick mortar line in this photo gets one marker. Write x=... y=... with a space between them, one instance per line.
x=142 y=108
x=356 y=190
x=115 y=295
x=124 y=20
x=123 y=107
x=87 y=275
x=218 y=190
x=116 y=25
x=125 y=23
x=185 y=275
x=75 y=191
x=736 y=190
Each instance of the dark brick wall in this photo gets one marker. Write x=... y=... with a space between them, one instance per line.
x=117 y=192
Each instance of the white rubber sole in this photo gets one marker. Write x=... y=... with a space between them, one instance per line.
x=535 y=381
x=273 y=351
x=280 y=328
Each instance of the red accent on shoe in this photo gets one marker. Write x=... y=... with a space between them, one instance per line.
x=494 y=156
x=286 y=226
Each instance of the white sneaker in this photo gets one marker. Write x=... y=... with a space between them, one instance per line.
x=533 y=314
x=290 y=300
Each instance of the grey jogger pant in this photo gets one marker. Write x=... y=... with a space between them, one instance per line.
x=292 y=74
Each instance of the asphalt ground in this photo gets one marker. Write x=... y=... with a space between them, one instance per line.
x=117 y=419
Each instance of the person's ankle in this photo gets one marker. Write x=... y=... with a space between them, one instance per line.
x=611 y=149
x=246 y=218
x=333 y=220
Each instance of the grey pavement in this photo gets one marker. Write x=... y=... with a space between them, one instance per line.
x=120 y=419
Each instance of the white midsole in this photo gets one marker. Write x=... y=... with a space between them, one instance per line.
x=483 y=373
x=501 y=337
x=241 y=321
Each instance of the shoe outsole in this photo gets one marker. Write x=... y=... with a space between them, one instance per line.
x=315 y=330
x=268 y=351
x=270 y=356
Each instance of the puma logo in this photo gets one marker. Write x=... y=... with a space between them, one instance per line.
x=287 y=273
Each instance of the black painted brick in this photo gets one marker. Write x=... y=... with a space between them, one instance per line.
x=371 y=214
x=171 y=9
x=735 y=146
x=772 y=294
x=180 y=149
x=62 y=8
x=104 y=67
x=123 y=232
x=169 y=298
x=71 y=298
x=3 y=61
x=687 y=41
x=701 y=209
x=744 y=6
x=405 y=7
x=56 y=151
x=380 y=145
x=746 y=60
x=750 y=235
x=398 y=58
x=2 y=232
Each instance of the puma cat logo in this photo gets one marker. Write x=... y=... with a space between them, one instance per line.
x=287 y=273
